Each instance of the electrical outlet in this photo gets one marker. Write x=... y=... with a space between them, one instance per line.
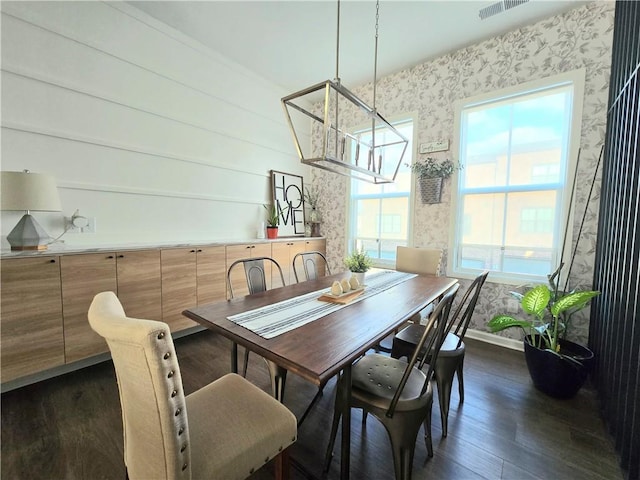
x=91 y=225
x=80 y=224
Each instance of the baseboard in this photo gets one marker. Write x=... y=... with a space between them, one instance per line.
x=72 y=367
x=495 y=339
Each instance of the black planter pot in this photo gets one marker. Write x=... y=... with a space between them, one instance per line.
x=556 y=375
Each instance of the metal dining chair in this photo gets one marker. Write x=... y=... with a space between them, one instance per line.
x=256 y=281
x=451 y=356
x=398 y=393
x=309 y=263
x=226 y=429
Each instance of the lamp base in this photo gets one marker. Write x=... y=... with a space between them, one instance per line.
x=28 y=235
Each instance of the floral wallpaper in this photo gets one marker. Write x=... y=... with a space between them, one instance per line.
x=580 y=38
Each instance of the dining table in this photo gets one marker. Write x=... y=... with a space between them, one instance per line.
x=317 y=339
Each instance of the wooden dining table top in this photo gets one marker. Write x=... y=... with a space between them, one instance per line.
x=320 y=349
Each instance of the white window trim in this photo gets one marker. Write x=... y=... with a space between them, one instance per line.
x=577 y=78
x=393 y=120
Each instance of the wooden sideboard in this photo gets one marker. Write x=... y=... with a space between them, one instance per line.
x=45 y=297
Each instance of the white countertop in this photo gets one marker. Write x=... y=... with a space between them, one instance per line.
x=62 y=249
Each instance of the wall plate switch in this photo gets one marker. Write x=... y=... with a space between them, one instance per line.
x=436 y=146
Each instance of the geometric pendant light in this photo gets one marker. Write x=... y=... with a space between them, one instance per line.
x=349 y=137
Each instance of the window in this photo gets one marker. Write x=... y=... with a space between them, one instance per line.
x=380 y=215
x=518 y=148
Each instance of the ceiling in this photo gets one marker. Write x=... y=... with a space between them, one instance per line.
x=293 y=43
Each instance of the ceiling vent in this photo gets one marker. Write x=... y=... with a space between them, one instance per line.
x=499 y=7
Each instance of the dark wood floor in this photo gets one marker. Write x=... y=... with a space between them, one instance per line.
x=70 y=427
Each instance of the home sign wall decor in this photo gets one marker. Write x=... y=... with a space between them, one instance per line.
x=288 y=198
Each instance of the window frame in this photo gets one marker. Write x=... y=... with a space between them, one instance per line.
x=576 y=79
x=350 y=213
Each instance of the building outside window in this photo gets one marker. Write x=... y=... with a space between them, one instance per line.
x=380 y=215
x=518 y=148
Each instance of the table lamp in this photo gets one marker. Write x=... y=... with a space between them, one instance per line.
x=28 y=191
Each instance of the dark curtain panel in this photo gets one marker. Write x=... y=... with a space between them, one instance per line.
x=615 y=315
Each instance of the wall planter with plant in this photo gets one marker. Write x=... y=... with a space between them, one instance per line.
x=273 y=220
x=430 y=176
x=358 y=263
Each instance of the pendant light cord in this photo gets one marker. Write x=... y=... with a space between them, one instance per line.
x=338 y=45
x=375 y=55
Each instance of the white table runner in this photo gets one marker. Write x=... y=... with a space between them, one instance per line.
x=273 y=320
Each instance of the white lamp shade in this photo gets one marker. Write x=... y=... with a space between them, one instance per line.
x=29 y=191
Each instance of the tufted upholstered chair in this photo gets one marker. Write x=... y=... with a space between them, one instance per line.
x=226 y=430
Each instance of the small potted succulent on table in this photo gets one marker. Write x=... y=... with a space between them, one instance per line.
x=358 y=263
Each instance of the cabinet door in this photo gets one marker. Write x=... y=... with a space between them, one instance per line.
x=316 y=245
x=179 y=286
x=211 y=274
x=84 y=276
x=283 y=253
x=31 y=322
x=139 y=283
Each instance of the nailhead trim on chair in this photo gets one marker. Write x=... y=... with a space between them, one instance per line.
x=173 y=393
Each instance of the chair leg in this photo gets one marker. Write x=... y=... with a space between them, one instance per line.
x=311 y=405
x=427 y=432
x=403 y=434
x=445 y=370
x=234 y=357
x=460 y=379
x=337 y=413
x=246 y=362
x=282 y=465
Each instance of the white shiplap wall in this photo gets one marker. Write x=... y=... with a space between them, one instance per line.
x=157 y=137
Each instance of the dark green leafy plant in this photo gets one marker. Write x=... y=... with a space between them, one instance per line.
x=273 y=216
x=358 y=262
x=430 y=168
x=551 y=311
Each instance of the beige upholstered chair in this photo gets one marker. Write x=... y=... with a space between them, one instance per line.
x=226 y=430
x=423 y=261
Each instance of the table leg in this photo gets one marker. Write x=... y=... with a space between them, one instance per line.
x=278 y=380
x=345 y=449
x=234 y=357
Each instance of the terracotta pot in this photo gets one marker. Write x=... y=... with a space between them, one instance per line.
x=556 y=375
x=272 y=232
